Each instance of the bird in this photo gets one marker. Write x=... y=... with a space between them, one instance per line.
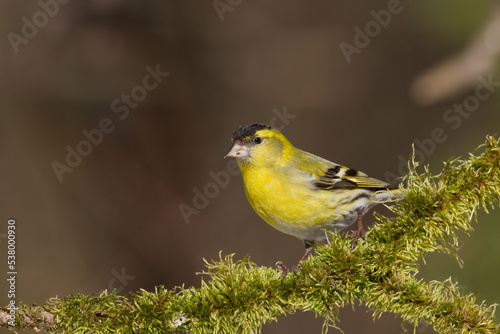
x=299 y=193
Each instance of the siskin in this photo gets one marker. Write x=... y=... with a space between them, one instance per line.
x=299 y=193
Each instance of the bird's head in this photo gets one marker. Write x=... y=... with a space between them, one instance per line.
x=259 y=144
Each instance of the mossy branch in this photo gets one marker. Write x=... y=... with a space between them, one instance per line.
x=239 y=296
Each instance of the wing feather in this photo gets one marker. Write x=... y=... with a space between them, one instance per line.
x=327 y=175
x=341 y=177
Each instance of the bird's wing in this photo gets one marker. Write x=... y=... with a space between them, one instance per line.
x=341 y=177
x=327 y=175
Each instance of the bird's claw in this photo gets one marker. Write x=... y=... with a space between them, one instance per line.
x=359 y=233
x=285 y=269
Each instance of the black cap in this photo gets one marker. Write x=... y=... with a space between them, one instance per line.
x=247 y=131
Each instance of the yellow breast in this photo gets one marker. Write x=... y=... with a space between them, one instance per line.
x=289 y=204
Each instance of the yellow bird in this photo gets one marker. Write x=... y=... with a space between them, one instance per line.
x=299 y=193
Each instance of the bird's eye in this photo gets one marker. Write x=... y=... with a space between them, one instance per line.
x=257 y=140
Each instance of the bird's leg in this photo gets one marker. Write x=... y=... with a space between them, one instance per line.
x=360 y=232
x=309 y=249
x=295 y=269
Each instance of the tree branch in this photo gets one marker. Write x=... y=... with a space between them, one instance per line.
x=461 y=71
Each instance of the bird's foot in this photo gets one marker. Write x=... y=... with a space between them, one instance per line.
x=285 y=269
x=295 y=269
x=359 y=233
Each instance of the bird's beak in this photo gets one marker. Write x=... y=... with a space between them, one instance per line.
x=238 y=150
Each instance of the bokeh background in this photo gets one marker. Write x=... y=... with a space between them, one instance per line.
x=114 y=221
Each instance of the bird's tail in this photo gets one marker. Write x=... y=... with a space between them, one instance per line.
x=388 y=195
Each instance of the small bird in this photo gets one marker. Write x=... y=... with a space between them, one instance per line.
x=299 y=193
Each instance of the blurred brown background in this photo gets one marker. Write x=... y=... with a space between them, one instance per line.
x=114 y=220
